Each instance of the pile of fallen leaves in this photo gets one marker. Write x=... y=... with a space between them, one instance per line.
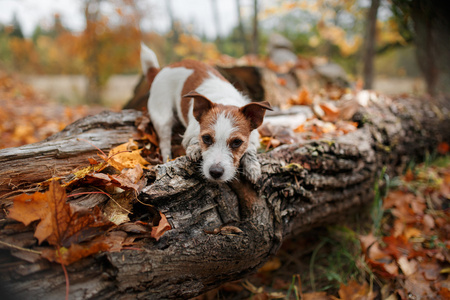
x=27 y=116
x=407 y=254
x=329 y=119
x=410 y=255
x=67 y=232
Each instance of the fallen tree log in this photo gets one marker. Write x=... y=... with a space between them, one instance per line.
x=220 y=232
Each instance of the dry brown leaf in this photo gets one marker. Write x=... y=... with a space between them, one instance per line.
x=355 y=291
x=75 y=252
x=271 y=265
x=443 y=148
x=331 y=112
x=418 y=286
x=316 y=296
x=144 y=126
x=119 y=207
x=408 y=267
x=397 y=246
x=303 y=98
x=61 y=224
x=162 y=227
x=385 y=270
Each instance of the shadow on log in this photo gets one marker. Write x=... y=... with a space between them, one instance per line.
x=302 y=186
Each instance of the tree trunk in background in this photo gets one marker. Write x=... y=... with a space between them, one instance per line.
x=255 y=34
x=302 y=186
x=93 y=86
x=216 y=14
x=241 y=27
x=174 y=30
x=430 y=32
x=369 y=45
x=422 y=13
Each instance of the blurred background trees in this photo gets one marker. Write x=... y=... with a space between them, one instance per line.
x=368 y=38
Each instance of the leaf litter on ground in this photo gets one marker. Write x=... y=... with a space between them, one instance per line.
x=408 y=258
x=74 y=232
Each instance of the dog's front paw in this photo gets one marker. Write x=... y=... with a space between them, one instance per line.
x=194 y=152
x=251 y=167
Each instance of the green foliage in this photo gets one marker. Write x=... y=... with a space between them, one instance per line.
x=337 y=259
x=5 y=50
x=16 y=28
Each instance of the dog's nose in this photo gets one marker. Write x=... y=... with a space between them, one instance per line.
x=216 y=171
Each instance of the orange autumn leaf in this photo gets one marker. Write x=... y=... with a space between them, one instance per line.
x=385 y=270
x=61 y=224
x=270 y=142
x=397 y=246
x=304 y=98
x=443 y=148
x=281 y=81
x=331 y=112
x=355 y=291
x=29 y=208
x=271 y=265
x=75 y=252
x=300 y=128
x=162 y=227
x=124 y=156
x=92 y=161
x=316 y=296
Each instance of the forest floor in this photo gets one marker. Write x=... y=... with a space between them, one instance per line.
x=396 y=249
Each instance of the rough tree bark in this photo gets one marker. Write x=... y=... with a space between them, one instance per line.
x=302 y=186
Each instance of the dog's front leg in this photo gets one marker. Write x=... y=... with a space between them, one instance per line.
x=249 y=161
x=194 y=151
x=191 y=142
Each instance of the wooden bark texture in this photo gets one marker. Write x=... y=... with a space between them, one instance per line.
x=302 y=186
x=60 y=154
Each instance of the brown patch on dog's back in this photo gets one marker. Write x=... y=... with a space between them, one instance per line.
x=151 y=74
x=201 y=72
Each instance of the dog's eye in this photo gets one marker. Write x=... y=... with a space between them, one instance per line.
x=236 y=143
x=207 y=139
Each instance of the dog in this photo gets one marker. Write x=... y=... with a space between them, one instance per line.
x=221 y=123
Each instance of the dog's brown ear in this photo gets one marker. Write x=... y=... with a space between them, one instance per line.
x=254 y=112
x=201 y=104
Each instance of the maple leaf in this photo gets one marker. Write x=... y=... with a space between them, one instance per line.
x=29 y=208
x=60 y=223
x=124 y=156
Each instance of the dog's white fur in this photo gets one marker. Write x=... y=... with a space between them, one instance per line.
x=165 y=101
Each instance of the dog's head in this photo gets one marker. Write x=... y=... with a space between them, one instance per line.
x=224 y=134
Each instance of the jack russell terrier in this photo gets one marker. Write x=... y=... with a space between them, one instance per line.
x=221 y=125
